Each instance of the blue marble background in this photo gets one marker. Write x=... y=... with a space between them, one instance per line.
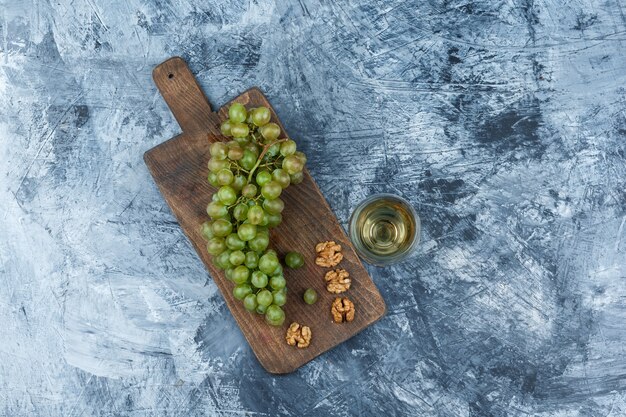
x=503 y=122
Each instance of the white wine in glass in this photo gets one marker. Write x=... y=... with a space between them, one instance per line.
x=384 y=229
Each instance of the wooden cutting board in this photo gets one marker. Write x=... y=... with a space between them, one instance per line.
x=179 y=168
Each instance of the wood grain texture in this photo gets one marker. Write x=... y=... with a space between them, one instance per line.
x=179 y=167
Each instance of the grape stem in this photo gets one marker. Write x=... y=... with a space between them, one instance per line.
x=258 y=161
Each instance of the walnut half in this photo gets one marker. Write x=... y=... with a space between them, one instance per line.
x=299 y=336
x=342 y=310
x=337 y=281
x=328 y=254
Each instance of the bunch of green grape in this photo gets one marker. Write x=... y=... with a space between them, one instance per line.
x=251 y=171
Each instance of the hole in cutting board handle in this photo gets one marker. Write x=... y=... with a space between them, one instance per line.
x=181 y=92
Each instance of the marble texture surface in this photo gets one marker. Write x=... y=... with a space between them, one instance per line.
x=503 y=122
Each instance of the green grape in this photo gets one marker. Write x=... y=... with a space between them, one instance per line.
x=215 y=246
x=249 y=302
x=233 y=242
x=240 y=212
x=246 y=231
x=281 y=177
x=239 y=130
x=288 y=147
x=223 y=259
x=237 y=112
x=274 y=206
x=225 y=128
x=249 y=118
x=301 y=156
x=259 y=279
x=294 y=260
x=235 y=152
x=249 y=191
x=248 y=160
x=229 y=273
x=225 y=176
x=260 y=309
x=264 y=221
x=274 y=220
x=215 y=165
x=278 y=282
x=310 y=296
x=263 y=178
x=270 y=131
x=268 y=263
x=278 y=270
x=239 y=182
x=272 y=151
x=212 y=179
x=274 y=315
x=292 y=164
x=242 y=141
x=241 y=274
x=264 y=298
x=227 y=195
x=252 y=260
x=296 y=178
x=259 y=242
x=216 y=210
x=206 y=231
x=221 y=227
x=215 y=198
x=218 y=150
x=270 y=190
x=261 y=116
x=241 y=291
x=237 y=258
x=271 y=251
x=255 y=214
x=280 y=297
x=215 y=263
x=252 y=147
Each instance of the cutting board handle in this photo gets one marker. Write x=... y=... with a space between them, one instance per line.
x=183 y=95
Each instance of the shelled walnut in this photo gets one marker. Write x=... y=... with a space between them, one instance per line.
x=328 y=254
x=299 y=336
x=337 y=281
x=342 y=310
